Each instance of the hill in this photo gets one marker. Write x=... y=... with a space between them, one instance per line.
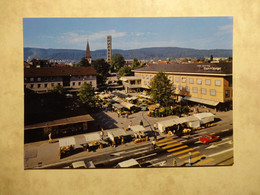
x=73 y=55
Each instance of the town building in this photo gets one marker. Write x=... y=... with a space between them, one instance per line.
x=109 y=49
x=44 y=79
x=207 y=84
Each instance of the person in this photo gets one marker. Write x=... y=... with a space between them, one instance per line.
x=126 y=116
x=153 y=144
x=50 y=140
x=118 y=114
x=130 y=123
x=141 y=123
x=102 y=133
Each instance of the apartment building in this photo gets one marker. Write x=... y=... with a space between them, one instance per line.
x=44 y=79
x=209 y=84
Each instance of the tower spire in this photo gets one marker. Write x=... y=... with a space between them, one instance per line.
x=88 y=54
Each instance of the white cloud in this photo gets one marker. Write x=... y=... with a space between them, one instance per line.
x=76 y=38
x=225 y=29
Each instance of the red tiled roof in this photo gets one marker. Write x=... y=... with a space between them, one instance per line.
x=59 y=71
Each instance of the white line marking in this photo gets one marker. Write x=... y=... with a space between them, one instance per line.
x=225 y=130
x=141 y=152
x=160 y=163
x=146 y=156
x=136 y=150
x=169 y=155
x=115 y=158
x=228 y=142
x=196 y=147
x=215 y=154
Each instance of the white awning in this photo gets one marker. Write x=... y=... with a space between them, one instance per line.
x=118 y=106
x=137 y=128
x=205 y=117
x=127 y=105
x=91 y=137
x=202 y=101
x=67 y=142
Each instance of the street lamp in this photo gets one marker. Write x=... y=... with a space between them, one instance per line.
x=190 y=158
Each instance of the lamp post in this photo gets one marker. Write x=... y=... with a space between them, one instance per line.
x=190 y=158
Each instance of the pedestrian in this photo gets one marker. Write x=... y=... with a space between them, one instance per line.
x=141 y=123
x=118 y=114
x=102 y=133
x=50 y=140
x=153 y=144
x=126 y=115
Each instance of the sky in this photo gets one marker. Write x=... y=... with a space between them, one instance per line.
x=129 y=33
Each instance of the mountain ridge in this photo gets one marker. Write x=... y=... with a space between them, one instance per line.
x=74 y=55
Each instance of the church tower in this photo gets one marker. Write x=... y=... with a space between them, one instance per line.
x=88 y=54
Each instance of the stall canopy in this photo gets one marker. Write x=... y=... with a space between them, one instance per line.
x=70 y=141
x=118 y=106
x=127 y=105
x=116 y=132
x=205 y=117
x=202 y=101
x=137 y=128
x=92 y=137
x=117 y=99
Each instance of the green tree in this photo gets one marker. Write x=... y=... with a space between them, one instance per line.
x=136 y=64
x=125 y=71
x=59 y=90
x=102 y=68
x=161 y=89
x=117 y=62
x=82 y=63
x=87 y=96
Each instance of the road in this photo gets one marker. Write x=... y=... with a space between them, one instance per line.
x=170 y=151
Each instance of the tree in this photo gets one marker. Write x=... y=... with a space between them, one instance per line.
x=136 y=64
x=82 y=63
x=161 y=89
x=87 y=96
x=102 y=68
x=117 y=62
x=211 y=58
x=125 y=71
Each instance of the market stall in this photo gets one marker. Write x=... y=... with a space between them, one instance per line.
x=92 y=140
x=66 y=145
x=139 y=132
x=205 y=117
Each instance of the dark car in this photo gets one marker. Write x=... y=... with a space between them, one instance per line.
x=208 y=138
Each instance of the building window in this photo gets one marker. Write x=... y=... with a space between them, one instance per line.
x=73 y=83
x=148 y=83
x=45 y=79
x=195 y=89
x=147 y=76
x=39 y=85
x=173 y=87
x=176 y=79
x=45 y=85
x=213 y=92
x=198 y=81
x=203 y=91
x=59 y=84
x=218 y=82
x=180 y=87
x=31 y=79
x=52 y=84
x=143 y=76
x=227 y=93
x=208 y=82
x=32 y=85
x=191 y=80
x=79 y=83
x=170 y=78
x=90 y=82
x=39 y=79
x=187 y=88
x=151 y=76
x=25 y=79
x=183 y=79
x=144 y=82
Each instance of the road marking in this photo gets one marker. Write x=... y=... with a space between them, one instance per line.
x=146 y=156
x=196 y=158
x=166 y=143
x=141 y=152
x=171 y=150
x=211 y=146
x=173 y=145
x=224 y=151
x=183 y=151
x=169 y=155
x=225 y=130
x=160 y=163
x=205 y=161
x=136 y=150
x=117 y=154
x=196 y=147
x=226 y=138
x=187 y=155
x=228 y=142
x=164 y=140
x=115 y=158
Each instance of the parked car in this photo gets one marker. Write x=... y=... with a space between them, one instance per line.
x=208 y=138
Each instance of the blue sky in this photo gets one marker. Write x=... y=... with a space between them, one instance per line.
x=129 y=33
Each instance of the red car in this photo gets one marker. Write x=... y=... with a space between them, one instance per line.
x=208 y=138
